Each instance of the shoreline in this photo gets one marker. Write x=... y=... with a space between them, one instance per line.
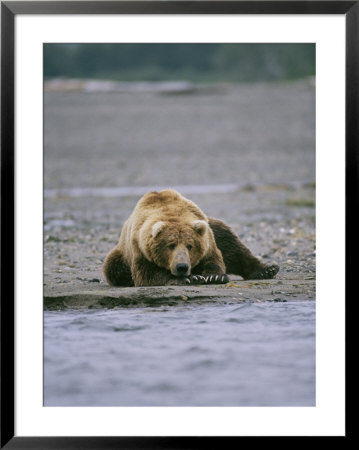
x=101 y=296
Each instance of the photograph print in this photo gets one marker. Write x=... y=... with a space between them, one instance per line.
x=179 y=224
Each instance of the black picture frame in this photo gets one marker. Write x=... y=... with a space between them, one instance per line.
x=9 y=10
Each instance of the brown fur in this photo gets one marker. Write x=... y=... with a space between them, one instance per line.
x=238 y=259
x=167 y=233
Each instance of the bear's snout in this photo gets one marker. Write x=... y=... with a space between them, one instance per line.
x=181 y=263
x=182 y=269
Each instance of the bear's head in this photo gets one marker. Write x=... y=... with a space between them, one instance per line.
x=178 y=246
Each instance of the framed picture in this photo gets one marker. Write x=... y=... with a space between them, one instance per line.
x=248 y=109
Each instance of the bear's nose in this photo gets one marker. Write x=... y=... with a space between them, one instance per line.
x=182 y=268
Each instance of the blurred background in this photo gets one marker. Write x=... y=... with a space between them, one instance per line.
x=232 y=127
x=195 y=62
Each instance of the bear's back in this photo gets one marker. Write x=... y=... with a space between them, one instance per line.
x=168 y=205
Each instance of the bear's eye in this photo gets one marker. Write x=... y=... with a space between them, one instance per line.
x=172 y=246
x=189 y=247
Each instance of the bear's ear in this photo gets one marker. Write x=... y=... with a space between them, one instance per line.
x=201 y=226
x=157 y=227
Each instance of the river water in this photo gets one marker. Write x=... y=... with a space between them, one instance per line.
x=248 y=354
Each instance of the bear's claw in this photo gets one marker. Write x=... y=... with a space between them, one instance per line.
x=191 y=279
x=264 y=274
x=217 y=279
x=196 y=279
x=208 y=279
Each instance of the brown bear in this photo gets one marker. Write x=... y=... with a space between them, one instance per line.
x=169 y=240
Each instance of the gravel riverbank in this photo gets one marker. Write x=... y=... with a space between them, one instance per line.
x=253 y=144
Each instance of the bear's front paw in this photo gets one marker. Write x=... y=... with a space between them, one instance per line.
x=217 y=279
x=191 y=279
x=265 y=273
x=197 y=279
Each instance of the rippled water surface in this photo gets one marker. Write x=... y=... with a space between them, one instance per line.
x=250 y=354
